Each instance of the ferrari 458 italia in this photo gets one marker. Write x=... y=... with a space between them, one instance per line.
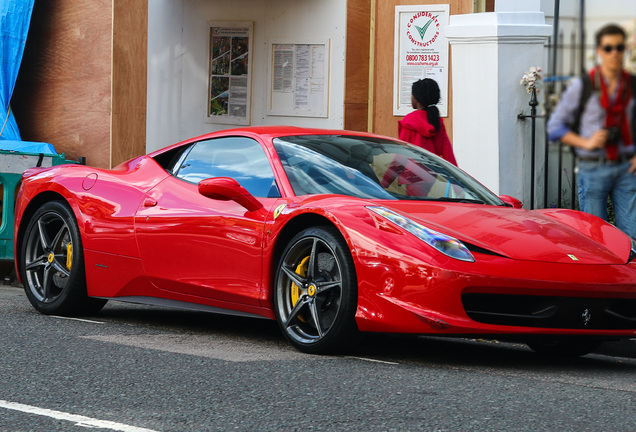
x=327 y=232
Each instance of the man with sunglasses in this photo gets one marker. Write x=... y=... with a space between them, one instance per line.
x=601 y=129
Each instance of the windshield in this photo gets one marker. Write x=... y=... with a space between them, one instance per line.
x=367 y=167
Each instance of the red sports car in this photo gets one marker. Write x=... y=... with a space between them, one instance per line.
x=329 y=233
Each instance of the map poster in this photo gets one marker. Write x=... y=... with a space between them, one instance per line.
x=230 y=73
x=421 y=52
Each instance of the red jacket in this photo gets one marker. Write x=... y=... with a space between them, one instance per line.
x=415 y=129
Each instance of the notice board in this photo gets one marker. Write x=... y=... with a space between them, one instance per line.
x=230 y=82
x=298 y=83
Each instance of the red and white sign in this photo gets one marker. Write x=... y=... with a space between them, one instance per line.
x=421 y=52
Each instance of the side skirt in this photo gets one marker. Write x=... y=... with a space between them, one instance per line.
x=155 y=301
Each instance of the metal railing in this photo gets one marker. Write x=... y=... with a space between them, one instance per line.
x=558 y=164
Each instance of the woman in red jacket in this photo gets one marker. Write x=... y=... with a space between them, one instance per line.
x=424 y=127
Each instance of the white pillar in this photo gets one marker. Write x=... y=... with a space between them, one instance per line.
x=518 y=6
x=490 y=53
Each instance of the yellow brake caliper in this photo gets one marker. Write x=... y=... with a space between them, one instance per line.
x=302 y=271
x=69 y=255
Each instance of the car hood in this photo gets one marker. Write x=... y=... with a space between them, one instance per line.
x=549 y=236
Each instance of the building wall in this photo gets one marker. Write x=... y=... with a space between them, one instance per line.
x=384 y=122
x=357 y=98
x=128 y=82
x=82 y=85
x=178 y=57
x=82 y=82
x=62 y=94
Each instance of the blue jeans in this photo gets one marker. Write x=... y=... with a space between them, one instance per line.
x=596 y=182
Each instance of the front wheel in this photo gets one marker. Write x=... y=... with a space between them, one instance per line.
x=52 y=263
x=315 y=296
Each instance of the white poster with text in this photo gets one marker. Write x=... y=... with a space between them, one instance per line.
x=421 y=52
x=299 y=79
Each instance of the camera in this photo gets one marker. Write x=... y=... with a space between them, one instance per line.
x=613 y=135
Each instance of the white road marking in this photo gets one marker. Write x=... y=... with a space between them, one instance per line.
x=372 y=360
x=218 y=347
x=77 y=419
x=77 y=319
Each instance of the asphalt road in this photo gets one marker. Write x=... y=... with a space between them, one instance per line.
x=136 y=368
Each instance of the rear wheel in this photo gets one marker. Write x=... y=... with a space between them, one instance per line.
x=315 y=294
x=52 y=263
x=564 y=347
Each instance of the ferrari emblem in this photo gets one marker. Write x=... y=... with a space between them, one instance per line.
x=51 y=257
x=279 y=210
x=573 y=257
x=311 y=290
x=587 y=316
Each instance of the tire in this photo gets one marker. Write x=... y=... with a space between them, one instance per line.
x=564 y=347
x=315 y=291
x=52 y=263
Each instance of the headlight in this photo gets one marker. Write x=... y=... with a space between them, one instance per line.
x=445 y=244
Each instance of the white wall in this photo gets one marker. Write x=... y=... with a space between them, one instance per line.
x=178 y=59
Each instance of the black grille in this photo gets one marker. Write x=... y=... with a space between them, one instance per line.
x=551 y=312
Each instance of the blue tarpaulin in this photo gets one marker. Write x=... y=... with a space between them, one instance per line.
x=15 y=16
x=27 y=147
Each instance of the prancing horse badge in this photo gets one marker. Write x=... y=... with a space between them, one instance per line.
x=587 y=316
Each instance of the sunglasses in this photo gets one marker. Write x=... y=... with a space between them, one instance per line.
x=609 y=48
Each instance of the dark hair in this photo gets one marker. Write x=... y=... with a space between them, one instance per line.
x=426 y=92
x=609 y=29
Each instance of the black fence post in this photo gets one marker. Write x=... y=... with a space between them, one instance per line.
x=533 y=115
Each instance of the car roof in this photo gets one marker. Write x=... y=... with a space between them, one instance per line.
x=268 y=133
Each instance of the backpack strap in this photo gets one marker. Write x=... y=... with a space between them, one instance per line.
x=632 y=120
x=587 y=92
x=585 y=95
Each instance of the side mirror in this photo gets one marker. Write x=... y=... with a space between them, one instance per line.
x=511 y=201
x=228 y=189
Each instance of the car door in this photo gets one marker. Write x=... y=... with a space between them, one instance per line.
x=197 y=246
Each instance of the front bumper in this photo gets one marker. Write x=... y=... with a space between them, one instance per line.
x=499 y=296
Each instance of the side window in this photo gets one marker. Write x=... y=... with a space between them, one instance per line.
x=241 y=158
x=170 y=160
